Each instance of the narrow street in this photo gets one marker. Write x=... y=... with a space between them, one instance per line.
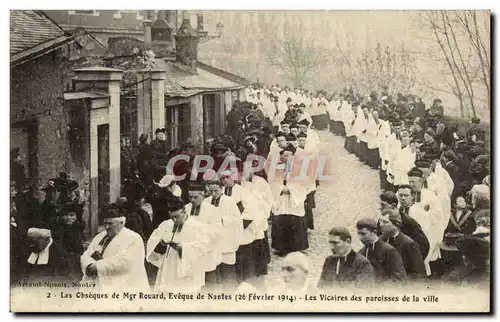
x=352 y=194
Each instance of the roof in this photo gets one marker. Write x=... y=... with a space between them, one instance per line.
x=90 y=45
x=102 y=19
x=183 y=83
x=223 y=73
x=82 y=95
x=31 y=33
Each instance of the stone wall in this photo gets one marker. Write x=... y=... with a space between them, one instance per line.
x=37 y=95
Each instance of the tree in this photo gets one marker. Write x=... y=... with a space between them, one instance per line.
x=298 y=55
x=463 y=46
x=376 y=68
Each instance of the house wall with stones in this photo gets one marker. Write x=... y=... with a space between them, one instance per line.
x=40 y=122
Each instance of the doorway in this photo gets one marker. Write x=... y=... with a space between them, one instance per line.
x=103 y=175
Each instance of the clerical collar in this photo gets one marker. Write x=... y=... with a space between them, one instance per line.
x=41 y=258
x=228 y=191
x=215 y=201
x=195 y=210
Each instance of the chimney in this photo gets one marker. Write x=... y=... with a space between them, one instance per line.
x=200 y=22
x=147 y=34
x=186 y=44
x=161 y=35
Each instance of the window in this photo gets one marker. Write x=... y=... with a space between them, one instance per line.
x=84 y=12
x=121 y=13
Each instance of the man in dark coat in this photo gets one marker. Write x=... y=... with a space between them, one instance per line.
x=48 y=208
x=476 y=132
x=449 y=164
x=233 y=117
x=410 y=226
x=345 y=267
x=390 y=224
x=475 y=268
x=128 y=164
x=138 y=218
x=47 y=261
x=17 y=170
x=160 y=151
x=385 y=259
x=68 y=231
x=144 y=160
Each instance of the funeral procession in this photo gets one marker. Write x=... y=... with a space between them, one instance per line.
x=274 y=154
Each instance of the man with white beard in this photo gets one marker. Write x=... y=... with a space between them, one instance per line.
x=114 y=259
x=179 y=247
x=232 y=228
x=203 y=211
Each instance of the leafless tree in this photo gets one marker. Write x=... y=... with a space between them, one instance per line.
x=297 y=55
x=468 y=60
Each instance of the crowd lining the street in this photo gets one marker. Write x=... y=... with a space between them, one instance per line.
x=213 y=233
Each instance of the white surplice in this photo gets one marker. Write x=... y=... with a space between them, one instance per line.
x=185 y=273
x=210 y=216
x=122 y=266
x=232 y=228
x=251 y=211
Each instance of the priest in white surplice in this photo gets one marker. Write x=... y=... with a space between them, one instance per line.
x=289 y=229
x=250 y=261
x=232 y=229
x=203 y=211
x=115 y=257
x=178 y=247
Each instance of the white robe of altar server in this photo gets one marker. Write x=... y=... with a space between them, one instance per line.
x=251 y=212
x=321 y=106
x=360 y=125
x=402 y=163
x=122 y=265
x=308 y=157
x=333 y=109
x=289 y=204
x=210 y=216
x=232 y=228
x=348 y=117
x=441 y=214
x=262 y=190
x=184 y=274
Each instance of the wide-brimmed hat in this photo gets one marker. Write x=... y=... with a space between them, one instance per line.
x=449 y=240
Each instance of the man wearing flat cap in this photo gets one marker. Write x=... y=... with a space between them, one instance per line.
x=345 y=267
x=475 y=268
x=385 y=259
x=114 y=259
x=390 y=225
x=46 y=260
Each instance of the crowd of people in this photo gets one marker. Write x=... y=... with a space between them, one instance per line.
x=212 y=233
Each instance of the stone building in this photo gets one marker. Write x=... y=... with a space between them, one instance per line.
x=194 y=98
x=75 y=131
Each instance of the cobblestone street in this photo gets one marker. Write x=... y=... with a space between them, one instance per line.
x=352 y=194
